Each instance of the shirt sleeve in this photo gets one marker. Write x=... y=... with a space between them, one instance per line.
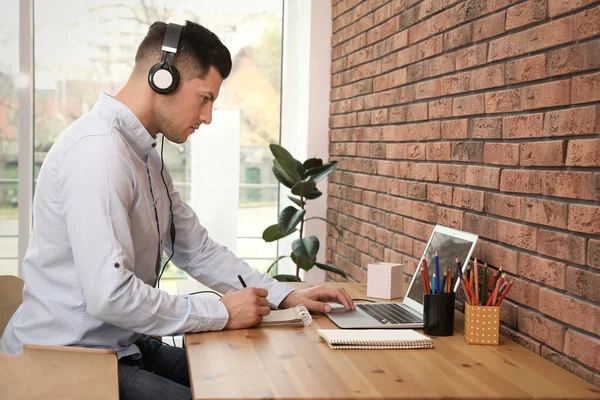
x=209 y=262
x=96 y=188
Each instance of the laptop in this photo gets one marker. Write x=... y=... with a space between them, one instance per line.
x=449 y=243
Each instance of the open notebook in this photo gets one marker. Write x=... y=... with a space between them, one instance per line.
x=375 y=339
x=294 y=316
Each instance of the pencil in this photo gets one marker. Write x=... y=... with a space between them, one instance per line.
x=433 y=284
x=444 y=284
x=426 y=275
x=484 y=284
x=471 y=294
x=437 y=271
x=504 y=293
x=476 y=278
x=467 y=297
x=494 y=296
x=425 y=287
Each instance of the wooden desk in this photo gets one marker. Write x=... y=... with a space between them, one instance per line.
x=294 y=363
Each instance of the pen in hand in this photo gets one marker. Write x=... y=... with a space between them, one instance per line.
x=242 y=281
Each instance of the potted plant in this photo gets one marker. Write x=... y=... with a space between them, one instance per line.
x=302 y=179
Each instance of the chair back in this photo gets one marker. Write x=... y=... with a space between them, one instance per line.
x=11 y=297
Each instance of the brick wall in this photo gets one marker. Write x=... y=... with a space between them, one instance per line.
x=483 y=116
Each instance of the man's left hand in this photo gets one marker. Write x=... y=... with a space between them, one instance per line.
x=316 y=298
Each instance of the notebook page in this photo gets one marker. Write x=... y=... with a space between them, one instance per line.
x=371 y=335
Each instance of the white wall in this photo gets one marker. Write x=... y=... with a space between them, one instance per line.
x=305 y=106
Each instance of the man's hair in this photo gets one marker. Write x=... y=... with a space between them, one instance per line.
x=198 y=50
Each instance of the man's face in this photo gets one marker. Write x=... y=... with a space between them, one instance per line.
x=190 y=106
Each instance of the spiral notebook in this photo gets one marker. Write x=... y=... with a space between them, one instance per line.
x=375 y=339
x=293 y=316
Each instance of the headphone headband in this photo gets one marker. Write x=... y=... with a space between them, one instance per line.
x=172 y=38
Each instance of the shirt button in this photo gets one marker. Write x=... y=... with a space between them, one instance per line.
x=153 y=144
x=117 y=265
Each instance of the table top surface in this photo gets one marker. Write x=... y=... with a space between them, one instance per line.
x=295 y=363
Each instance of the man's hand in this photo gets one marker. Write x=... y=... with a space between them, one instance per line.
x=316 y=298
x=246 y=307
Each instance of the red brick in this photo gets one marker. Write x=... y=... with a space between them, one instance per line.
x=503 y=205
x=467 y=151
x=587 y=23
x=424 y=211
x=583 y=218
x=507 y=46
x=593 y=253
x=439 y=151
x=566 y=363
x=548 y=272
x=521 y=339
x=441 y=65
x=575 y=185
x=542 y=329
x=525 y=14
x=471 y=56
x=468 y=105
x=417 y=229
x=503 y=101
x=455 y=129
x=544 y=212
x=432 y=88
x=485 y=128
x=501 y=153
x=394 y=222
x=577 y=58
x=573 y=121
x=519 y=126
x=458 y=37
x=425 y=172
x=509 y=313
x=457 y=83
x=586 y=88
x=489 y=26
x=558 y=7
x=440 y=194
x=416 y=112
x=521 y=181
x=583 y=153
x=415 y=151
x=467 y=198
x=368 y=198
x=488 y=177
x=487 y=77
x=570 y=310
x=523 y=292
x=378 y=150
x=517 y=235
x=440 y=108
x=448 y=217
x=584 y=348
x=483 y=226
x=526 y=69
x=583 y=283
x=546 y=153
x=430 y=47
x=560 y=245
x=549 y=34
x=416 y=190
x=450 y=173
x=551 y=94
x=497 y=256
x=403 y=243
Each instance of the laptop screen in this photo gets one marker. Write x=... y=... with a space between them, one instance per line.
x=448 y=246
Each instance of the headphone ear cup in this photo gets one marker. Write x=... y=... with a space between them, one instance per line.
x=163 y=78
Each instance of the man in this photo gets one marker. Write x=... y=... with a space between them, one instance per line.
x=104 y=211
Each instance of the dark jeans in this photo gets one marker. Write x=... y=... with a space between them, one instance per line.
x=160 y=373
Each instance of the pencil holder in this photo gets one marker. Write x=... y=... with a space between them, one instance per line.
x=482 y=324
x=438 y=314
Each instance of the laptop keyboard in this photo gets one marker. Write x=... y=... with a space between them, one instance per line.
x=389 y=313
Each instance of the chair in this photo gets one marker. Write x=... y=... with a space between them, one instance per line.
x=52 y=372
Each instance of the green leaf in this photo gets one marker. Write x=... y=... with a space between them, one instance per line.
x=306 y=248
x=281 y=179
x=304 y=188
x=289 y=218
x=319 y=173
x=296 y=200
x=272 y=233
x=274 y=263
x=314 y=194
x=282 y=154
x=312 y=163
x=288 y=171
x=287 y=278
x=300 y=168
x=303 y=263
x=331 y=269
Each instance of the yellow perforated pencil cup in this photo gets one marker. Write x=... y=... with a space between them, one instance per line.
x=482 y=324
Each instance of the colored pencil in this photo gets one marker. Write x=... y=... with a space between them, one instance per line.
x=426 y=275
x=433 y=284
x=437 y=271
x=504 y=294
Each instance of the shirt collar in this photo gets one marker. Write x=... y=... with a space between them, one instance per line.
x=129 y=126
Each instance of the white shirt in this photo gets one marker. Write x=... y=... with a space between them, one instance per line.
x=91 y=264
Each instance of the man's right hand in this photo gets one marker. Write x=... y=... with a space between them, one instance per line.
x=246 y=307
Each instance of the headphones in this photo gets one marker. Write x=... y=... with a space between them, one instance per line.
x=163 y=77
